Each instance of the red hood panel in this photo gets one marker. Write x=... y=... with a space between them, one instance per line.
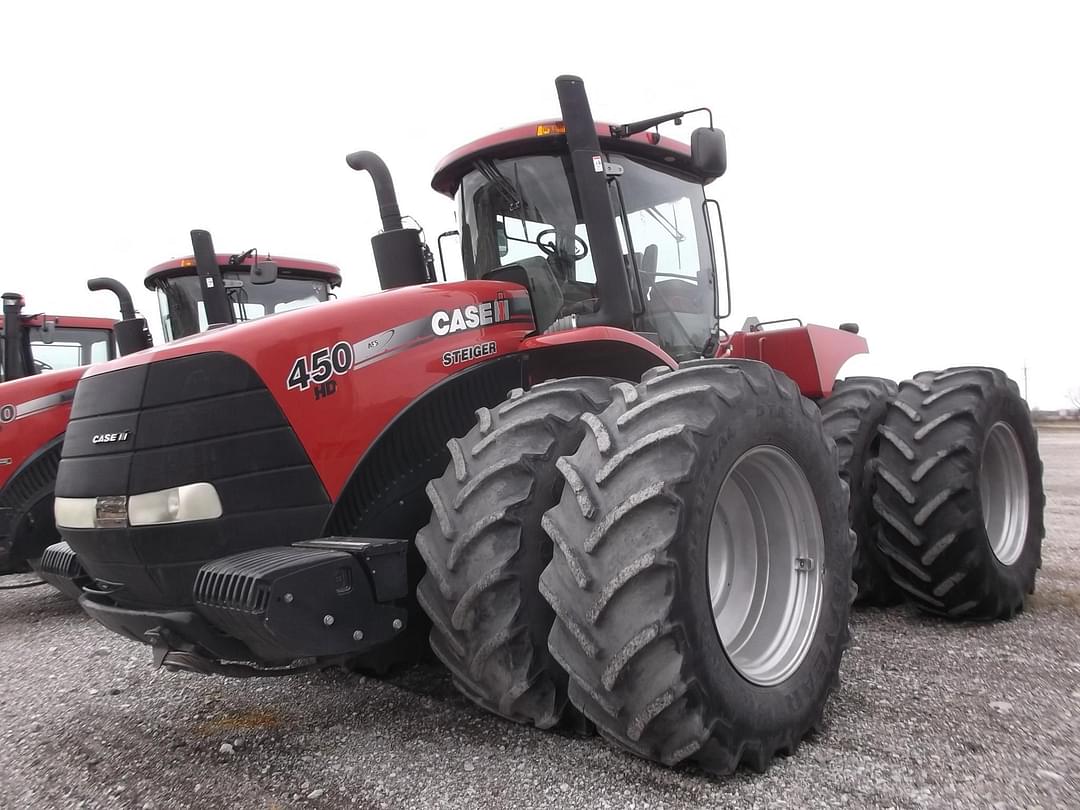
x=341 y=371
x=33 y=412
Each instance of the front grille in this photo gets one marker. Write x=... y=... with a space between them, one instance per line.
x=204 y=417
x=234 y=591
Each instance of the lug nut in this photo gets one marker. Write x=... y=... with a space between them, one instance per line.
x=328 y=620
x=288 y=598
x=358 y=635
x=398 y=624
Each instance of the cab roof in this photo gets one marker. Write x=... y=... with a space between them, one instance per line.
x=66 y=321
x=542 y=137
x=185 y=266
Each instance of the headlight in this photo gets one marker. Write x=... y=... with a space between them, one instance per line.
x=173 y=505
x=75 y=513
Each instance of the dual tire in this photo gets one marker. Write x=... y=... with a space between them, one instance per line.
x=852 y=415
x=638 y=615
x=620 y=550
x=959 y=494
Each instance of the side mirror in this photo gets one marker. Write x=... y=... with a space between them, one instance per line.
x=708 y=152
x=264 y=272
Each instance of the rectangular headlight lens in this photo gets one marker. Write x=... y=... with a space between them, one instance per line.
x=75 y=513
x=174 y=505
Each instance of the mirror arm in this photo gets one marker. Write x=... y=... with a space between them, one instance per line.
x=626 y=130
x=438 y=243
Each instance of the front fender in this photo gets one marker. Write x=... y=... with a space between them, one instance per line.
x=602 y=351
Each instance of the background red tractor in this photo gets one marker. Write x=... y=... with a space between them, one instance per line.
x=35 y=409
x=41 y=358
x=561 y=471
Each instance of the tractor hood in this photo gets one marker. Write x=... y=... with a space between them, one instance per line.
x=355 y=362
x=33 y=412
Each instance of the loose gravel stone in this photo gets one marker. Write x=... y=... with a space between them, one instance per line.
x=911 y=726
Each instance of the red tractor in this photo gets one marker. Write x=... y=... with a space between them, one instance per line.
x=34 y=410
x=560 y=472
x=41 y=358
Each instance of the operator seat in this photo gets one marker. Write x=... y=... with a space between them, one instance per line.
x=536 y=275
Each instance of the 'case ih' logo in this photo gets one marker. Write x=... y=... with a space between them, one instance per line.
x=471 y=317
x=109 y=438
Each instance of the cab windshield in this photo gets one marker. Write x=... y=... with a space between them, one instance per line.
x=525 y=212
x=183 y=313
x=62 y=347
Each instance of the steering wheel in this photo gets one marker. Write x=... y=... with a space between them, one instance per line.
x=42 y=365
x=551 y=249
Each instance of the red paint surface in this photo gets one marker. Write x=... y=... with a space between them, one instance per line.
x=337 y=430
x=68 y=321
x=176 y=267
x=19 y=440
x=811 y=355
x=448 y=171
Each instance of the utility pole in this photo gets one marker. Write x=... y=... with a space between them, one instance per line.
x=1025 y=381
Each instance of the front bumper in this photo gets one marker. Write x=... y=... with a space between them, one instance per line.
x=324 y=600
x=183 y=630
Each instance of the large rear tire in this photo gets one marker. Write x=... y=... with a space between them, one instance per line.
x=960 y=494
x=30 y=526
x=484 y=549
x=703 y=575
x=851 y=415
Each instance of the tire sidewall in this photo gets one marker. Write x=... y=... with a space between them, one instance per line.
x=772 y=709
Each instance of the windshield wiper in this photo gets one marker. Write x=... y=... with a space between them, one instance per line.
x=503 y=185
x=672 y=231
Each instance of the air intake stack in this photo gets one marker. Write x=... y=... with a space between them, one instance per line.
x=401 y=258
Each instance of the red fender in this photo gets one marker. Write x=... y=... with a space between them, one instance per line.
x=592 y=351
x=811 y=355
x=33 y=412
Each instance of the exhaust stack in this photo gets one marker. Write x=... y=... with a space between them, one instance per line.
x=18 y=361
x=591 y=179
x=215 y=300
x=401 y=259
x=132 y=334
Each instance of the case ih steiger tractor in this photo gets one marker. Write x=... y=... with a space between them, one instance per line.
x=41 y=358
x=34 y=411
x=594 y=501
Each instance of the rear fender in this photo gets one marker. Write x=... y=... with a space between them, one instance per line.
x=811 y=355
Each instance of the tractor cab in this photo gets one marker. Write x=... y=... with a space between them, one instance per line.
x=36 y=343
x=521 y=214
x=253 y=287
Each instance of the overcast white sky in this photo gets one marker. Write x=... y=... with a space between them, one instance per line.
x=913 y=167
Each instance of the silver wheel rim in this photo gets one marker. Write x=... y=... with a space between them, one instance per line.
x=1003 y=491
x=765 y=559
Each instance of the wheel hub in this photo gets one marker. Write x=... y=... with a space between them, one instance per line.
x=1003 y=492
x=765 y=559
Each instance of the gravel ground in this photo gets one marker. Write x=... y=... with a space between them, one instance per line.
x=931 y=714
